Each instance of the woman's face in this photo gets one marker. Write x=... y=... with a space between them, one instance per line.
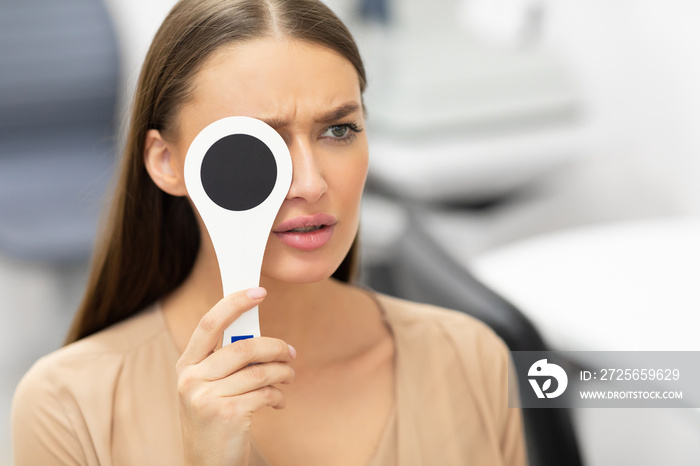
x=311 y=96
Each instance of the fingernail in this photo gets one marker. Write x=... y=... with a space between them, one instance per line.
x=256 y=293
x=292 y=352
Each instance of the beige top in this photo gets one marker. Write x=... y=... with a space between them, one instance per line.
x=111 y=398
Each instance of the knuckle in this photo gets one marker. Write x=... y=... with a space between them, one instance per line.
x=237 y=409
x=233 y=300
x=230 y=410
x=268 y=394
x=244 y=349
x=208 y=323
x=257 y=373
x=185 y=382
x=200 y=399
x=282 y=348
x=290 y=372
x=272 y=394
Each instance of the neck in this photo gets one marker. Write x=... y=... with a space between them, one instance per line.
x=299 y=313
x=307 y=315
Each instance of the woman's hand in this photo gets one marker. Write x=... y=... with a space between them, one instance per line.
x=220 y=389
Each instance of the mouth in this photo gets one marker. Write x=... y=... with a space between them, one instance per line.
x=306 y=229
x=306 y=224
x=306 y=232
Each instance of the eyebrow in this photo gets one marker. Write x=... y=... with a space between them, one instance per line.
x=329 y=117
x=338 y=113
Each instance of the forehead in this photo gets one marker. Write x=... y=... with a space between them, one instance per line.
x=270 y=78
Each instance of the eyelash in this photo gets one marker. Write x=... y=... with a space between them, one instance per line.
x=350 y=136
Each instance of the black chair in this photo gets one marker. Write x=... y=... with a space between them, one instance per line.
x=59 y=76
x=422 y=271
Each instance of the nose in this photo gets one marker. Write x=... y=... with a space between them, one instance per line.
x=308 y=179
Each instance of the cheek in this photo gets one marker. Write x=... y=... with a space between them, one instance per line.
x=348 y=180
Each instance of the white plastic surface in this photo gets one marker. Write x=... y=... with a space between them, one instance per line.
x=239 y=237
x=630 y=286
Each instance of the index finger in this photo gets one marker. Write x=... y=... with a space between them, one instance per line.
x=207 y=334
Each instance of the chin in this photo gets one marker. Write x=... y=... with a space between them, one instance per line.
x=301 y=271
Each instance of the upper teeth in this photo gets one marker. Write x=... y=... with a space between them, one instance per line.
x=306 y=229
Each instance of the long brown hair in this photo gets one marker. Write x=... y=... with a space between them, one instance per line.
x=151 y=239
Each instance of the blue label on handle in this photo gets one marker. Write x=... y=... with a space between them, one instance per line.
x=240 y=337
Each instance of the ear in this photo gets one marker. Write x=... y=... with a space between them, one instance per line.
x=162 y=166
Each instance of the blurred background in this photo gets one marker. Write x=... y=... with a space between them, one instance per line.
x=533 y=162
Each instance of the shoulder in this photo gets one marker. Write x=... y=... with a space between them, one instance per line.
x=110 y=344
x=439 y=340
x=66 y=393
x=460 y=367
x=102 y=351
x=456 y=329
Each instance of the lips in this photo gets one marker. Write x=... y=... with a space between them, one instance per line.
x=306 y=232
x=310 y=221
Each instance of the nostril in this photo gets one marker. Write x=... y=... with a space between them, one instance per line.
x=307 y=184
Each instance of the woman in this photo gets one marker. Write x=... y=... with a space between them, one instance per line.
x=363 y=378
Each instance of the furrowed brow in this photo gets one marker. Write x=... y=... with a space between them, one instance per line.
x=338 y=113
x=276 y=123
x=330 y=117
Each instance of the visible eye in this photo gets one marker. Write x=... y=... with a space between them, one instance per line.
x=344 y=132
x=338 y=131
